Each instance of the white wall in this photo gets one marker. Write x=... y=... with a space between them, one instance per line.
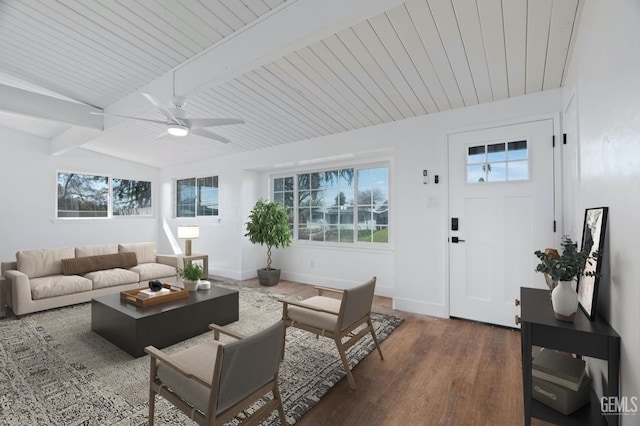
x=413 y=270
x=604 y=77
x=28 y=197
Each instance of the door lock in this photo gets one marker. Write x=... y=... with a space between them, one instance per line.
x=456 y=240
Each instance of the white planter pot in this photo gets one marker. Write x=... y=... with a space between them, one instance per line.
x=190 y=285
x=565 y=301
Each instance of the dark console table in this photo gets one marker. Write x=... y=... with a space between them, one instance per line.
x=582 y=337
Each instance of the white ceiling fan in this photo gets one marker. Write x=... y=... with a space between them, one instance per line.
x=178 y=124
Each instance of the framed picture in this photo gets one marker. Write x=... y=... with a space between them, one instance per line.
x=593 y=231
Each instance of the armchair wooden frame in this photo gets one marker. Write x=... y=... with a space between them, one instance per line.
x=212 y=416
x=345 y=321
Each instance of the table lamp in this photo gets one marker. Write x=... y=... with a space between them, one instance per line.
x=187 y=233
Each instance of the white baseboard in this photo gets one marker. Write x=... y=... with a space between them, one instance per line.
x=421 y=308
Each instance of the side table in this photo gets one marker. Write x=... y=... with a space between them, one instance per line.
x=196 y=256
x=582 y=337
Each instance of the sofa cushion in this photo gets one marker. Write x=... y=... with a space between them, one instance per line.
x=146 y=252
x=40 y=263
x=82 y=265
x=58 y=285
x=96 y=250
x=112 y=277
x=153 y=271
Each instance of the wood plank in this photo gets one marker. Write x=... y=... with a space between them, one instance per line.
x=428 y=32
x=561 y=31
x=242 y=11
x=448 y=28
x=368 y=62
x=435 y=371
x=284 y=70
x=361 y=98
x=410 y=39
x=490 y=13
x=406 y=78
x=259 y=7
x=468 y=18
x=306 y=74
x=538 y=21
x=515 y=30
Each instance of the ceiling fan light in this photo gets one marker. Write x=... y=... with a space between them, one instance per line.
x=178 y=130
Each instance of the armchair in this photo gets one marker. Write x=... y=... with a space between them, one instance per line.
x=335 y=318
x=212 y=382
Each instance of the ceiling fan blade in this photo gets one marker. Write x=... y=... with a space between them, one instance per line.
x=208 y=134
x=163 y=109
x=129 y=117
x=199 y=123
x=162 y=135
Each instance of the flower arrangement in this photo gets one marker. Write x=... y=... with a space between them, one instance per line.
x=568 y=266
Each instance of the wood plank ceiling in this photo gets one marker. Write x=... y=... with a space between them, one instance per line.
x=421 y=57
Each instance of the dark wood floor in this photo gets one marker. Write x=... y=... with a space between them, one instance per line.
x=435 y=372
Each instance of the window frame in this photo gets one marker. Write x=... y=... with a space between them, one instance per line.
x=110 y=198
x=196 y=205
x=356 y=243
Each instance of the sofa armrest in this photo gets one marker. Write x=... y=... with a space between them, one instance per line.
x=18 y=288
x=169 y=259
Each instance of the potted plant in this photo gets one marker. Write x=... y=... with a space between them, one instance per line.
x=190 y=274
x=268 y=225
x=562 y=270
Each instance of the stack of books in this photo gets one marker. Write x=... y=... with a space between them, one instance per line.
x=560 y=381
x=148 y=293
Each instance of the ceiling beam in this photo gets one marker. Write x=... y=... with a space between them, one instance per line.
x=23 y=102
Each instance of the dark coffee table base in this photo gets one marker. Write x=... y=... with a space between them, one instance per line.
x=132 y=328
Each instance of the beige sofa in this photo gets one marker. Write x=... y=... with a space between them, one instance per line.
x=50 y=278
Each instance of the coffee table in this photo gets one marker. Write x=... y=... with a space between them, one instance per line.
x=132 y=328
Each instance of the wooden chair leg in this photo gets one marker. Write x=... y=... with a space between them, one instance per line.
x=345 y=362
x=284 y=339
x=375 y=338
x=152 y=393
x=276 y=395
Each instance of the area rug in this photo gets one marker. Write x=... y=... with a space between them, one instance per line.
x=55 y=371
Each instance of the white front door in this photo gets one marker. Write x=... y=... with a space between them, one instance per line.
x=501 y=200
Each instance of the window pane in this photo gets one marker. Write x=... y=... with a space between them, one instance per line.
x=208 y=196
x=186 y=197
x=496 y=152
x=496 y=172
x=288 y=183
x=517 y=150
x=304 y=181
x=131 y=198
x=278 y=184
x=278 y=198
x=518 y=170
x=475 y=173
x=83 y=195
x=476 y=154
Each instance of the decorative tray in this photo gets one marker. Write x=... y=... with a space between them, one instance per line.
x=131 y=296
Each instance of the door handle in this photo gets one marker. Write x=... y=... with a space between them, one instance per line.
x=456 y=240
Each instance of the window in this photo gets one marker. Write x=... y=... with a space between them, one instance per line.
x=197 y=197
x=346 y=205
x=84 y=195
x=131 y=197
x=498 y=162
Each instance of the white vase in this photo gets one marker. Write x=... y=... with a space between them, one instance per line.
x=565 y=301
x=190 y=285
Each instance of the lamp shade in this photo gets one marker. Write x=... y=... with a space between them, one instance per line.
x=188 y=232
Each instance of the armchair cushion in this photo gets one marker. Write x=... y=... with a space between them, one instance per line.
x=203 y=356
x=313 y=318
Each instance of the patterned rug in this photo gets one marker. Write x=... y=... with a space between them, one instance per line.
x=55 y=371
